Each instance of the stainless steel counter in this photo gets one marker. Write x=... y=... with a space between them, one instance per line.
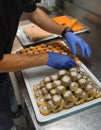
x=87 y=119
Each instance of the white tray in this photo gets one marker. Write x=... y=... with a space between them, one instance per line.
x=35 y=75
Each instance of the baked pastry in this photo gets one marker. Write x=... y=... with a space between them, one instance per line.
x=79 y=76
x=40 y=100
x=44 y=90
x=51 y=105
x=44 y=109
x=89 y=97
x=89 y=89
x=90 y=92
x=73 y=86
x=66 y=80
x=49 y=86
x=82 y=82
x=80 y=101
x=47 y=79
x=69 y=99
x=42 y=84
x=29 y=52
x=60 y=89
x=48 y=96
x=73 y=75
x=52 y=92
x=68 y=96
x=74 y=69
x=79 y=94
x=58 y=108
x=62 y=72
x=57 y=99
x=54 y=77
x=68 y=104
x=38 y=93
x=57 y=82
x=36 y=87
x=97 y=94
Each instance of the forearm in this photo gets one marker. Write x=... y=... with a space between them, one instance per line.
x=14 y=62
x=45 y=22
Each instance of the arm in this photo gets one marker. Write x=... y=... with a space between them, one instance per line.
x=45 y=22
x=14 y=62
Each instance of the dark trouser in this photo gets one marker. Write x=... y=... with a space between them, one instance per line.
x=5 y=104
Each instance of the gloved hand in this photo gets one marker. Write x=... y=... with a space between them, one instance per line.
x=74 y=40
x=60 y=61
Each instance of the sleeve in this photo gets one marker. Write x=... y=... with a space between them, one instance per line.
x=30 y=6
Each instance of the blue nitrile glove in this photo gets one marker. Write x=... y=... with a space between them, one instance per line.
x=60 y=61
x=74 y=40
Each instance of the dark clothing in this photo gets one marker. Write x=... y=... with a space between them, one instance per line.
x=10 y=12
x=5 y=106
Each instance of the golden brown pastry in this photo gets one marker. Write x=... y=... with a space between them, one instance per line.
x=47 y=79
x=58 y=108
x=74 y=69
x=68 y=96
x=60 y=89
x=97 y=94
x=82 y=83
x=57 y=82
x=40 y=101
x=73 y=86
x=79 y=76
x=42 y=84
x=73 y=75
x=89 y=89
x=44 y=109
x=36 y=87
x=54 y=77
x=66 y=80
x=51 y=105
x=53 y=92
x=68 y=105
x=89 y=97
x=38 y=93
x=79 y=94
x=44 y=91
x=48 y=96
x=78 y=102
x=62 y=72
x=57 y=99
x=49 y=86
x=92 y=92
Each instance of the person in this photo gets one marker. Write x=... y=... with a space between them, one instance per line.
x=10 y=12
